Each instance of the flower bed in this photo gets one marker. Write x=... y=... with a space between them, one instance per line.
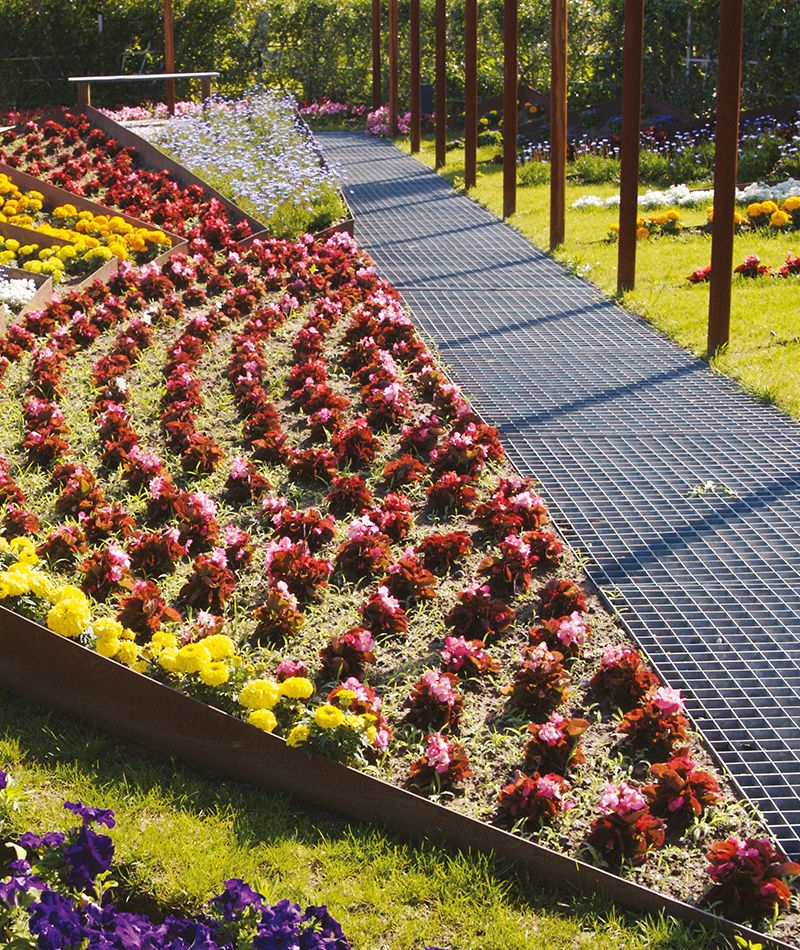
x=60 y=890
x=330 y=545
x=244 y=475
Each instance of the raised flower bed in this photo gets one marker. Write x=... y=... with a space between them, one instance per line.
x=260 y=522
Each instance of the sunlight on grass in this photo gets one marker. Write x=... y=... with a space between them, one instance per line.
x=180 y=835
x=765 y=318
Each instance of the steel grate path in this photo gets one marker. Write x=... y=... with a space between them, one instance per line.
x=619 y=425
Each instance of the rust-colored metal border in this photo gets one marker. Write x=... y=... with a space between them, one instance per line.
x=46 y=668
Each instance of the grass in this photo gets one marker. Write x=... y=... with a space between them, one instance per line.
x=180 y=835
x=765 y=316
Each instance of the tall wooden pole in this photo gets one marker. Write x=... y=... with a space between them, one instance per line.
x=377 y=92
x=169 y=56
x=510 y=89
x=394 y=66
x=558 y=120
x=726 y=146
x=414 y=74
x=629 y=148
x=470 y=93
x=441 y=83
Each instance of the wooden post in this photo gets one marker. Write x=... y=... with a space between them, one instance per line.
x=376 y=55
x=205 y=88
x=726 y=144
x=169 y=56
x=441 y=83
x=510 y=89
x=629 y=148
x=84 y=93
x=394 y=66
x=470 y=92
x=558 y=120
x=414 y=75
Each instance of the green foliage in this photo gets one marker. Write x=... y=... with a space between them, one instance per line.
x=594 y=169
x=322 y=48
x=534 y=173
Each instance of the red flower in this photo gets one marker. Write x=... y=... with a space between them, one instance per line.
x=748 y=876
x=680 y=790
x=536 y=798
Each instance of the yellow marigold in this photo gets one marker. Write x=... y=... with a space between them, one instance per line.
x=106 y=628
x=372 y=734
x=754 y=210
x=260 y=694
x=69 y=617
x=344 y=697
x=24 y=550
x=263 y=719
x=328 y=716
x=297 y=687
x=297 y=736
x=779 y=219
x=214 y=674
x=128 y=653
x=791 y=204
x=192 y=657
x=162 y=640
x=168 y=659
x=107 y=647
x=67 y=592
x=219 y=646
x=642 y=233
x=13 y=583
x=768 y=207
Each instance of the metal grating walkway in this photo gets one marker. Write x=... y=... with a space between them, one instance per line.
x=619 y=425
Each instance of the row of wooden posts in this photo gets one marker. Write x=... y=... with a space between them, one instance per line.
x=727 y=132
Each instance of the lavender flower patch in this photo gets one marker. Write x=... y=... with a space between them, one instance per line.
x=257 y=152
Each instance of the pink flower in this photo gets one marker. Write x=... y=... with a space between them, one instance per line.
x=620 y=800
x=437 y=753
x=551 y=731
x=572 y=630
x=668 y=700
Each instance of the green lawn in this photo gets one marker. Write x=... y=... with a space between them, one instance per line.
x=179 y=836
x=764 y=353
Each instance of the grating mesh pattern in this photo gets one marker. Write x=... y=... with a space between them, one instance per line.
x=619 y=425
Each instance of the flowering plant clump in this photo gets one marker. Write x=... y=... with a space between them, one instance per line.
x=435 y=701
x=625 y=829
x=535 y=799
x=622 y=679
x=540 y=682
x=751 y=266
x=680 y=790
x=479 y=615
x=58 y=891
x=443 y=764
x=562 y=598
x=701 y=275
x=366 y=552
x=408 y=581
x=467 y=657
x=441 y=552
x=658 y=726
x=277 y=618
x=749 y=877
x=348 y=654
x=555 y=745
x=383 y=615
x=567 y=634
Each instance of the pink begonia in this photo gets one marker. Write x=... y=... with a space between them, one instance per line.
x=392 y=604
x=525 y=500
x=147 y=461
x=204 y=505
x=551 y=731
x=286 y=594
x=321 y=416
x=272 y=506
x=287 y=668
x=668 y=700
x=437 y=753
x=620 y=800
x=274 y=547
x=288 y=303
x=572 y=630
x=439 y=687
x=234 y=536
x=362 y=529
x=207 y=623
x=240 y=468
x=513 y=543
x=547 y=788
x=218 y=557
x=118 y=561
x=455 y=652
x=613 y=655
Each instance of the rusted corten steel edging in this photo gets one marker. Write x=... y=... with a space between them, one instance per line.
x=61 y=674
